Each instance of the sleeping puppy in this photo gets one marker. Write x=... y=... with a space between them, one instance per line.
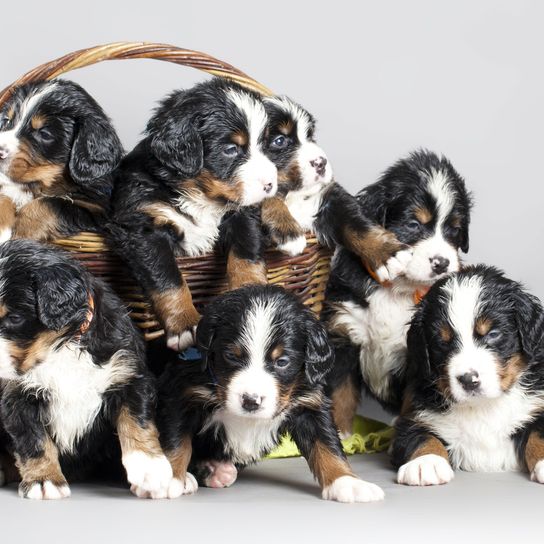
x=423 y=201
x=476 y=365
x=76 y=388
x=310 y=200
x=265 y=356
x=57 y=153
x=201 y=159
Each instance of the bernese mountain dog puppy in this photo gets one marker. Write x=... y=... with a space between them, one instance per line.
x=202 y=157
x=76 y=389
x=265 y=357
x=423 y=201
x=310 y=200
x=476 y=381
x=57 y=153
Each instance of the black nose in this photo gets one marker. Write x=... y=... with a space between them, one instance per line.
x=439 y=264
x=3 y=153
x=319 y=164
x=251 y=403
x=267 y=187
x=470 y=380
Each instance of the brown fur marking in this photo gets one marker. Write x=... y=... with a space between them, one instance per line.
x=483 y=325
x=286 y=128
x=38 y=121
x=242 y=272
x=510 y=372
x=161 y=214
x=277 y=217
x=7 y=213
x=134 y=437
x=345 y=400
x=239 y=138
x=431 y=446
x=446 y=333
x=326 y=466
x=26 y=167
x=534 y=450
x=216 y=189
x=181 y=457
x=37 y=221
x=277 y=352
x=45 y=467
x=175 y=308
x=423 y=215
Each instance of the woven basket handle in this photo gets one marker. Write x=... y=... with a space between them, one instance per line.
x=135 y=50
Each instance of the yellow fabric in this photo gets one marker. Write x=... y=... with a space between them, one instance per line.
x=369 y=436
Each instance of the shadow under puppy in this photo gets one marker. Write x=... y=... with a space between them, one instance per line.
x=423 y=201
x=57 y=153
x=75 y=382
x=201 y=159
x=309 y=200
x=265 y=357
x=476 y=389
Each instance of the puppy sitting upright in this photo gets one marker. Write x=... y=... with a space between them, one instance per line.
x=424 y=202
x=57 y=153
x=75 y=382
x=309 y=200
x=202 y=157
x=476 y=389
x=265 y=357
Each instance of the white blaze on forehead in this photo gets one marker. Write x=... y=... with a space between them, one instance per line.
x=439 y=187
x=255 y=115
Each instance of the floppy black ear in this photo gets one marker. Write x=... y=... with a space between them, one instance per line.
x=61 y=296
x=373 y=202
x=417 y=348
x=319 y=352
x=96 y=151
x=530 y=322
x=205 y=335
x=178 y=146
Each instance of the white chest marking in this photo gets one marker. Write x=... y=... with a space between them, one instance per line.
x=199 y=220
x=17 y=192
x=73 y=386
x=479 y=433
x=380 y=331
x=304 y=204
x=247 y=439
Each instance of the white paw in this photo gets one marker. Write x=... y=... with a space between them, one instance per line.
x=222 y=474
x=538 y=472
x=149 y=474
x=394 y=266
x=428 y=469
x=293 y=247
x=177 y=487
x=46 y=490
x=352 y=489
x=5 y=235
x=180 y=342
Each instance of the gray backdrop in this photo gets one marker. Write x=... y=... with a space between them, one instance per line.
x=463 y=78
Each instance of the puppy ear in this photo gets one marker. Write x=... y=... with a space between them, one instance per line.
x=61 y=296
x=205 y=335
x=319 y=352
x=417 y=348
x=373 y=202
x=96 y=151
x=178 y=146
x=530 y=323
x=464 y=238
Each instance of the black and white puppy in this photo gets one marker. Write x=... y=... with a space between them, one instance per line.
x=265 y=357
x=423 y=201
x=203 y=156
x=57 y=153
x=476 y=393
x=75 y=381
x=309 y=200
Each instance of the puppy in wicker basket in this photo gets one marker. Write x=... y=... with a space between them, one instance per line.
x=77 y=396
x=423 y=200
x=203 y=156
x=57 y=153
x=310 y=200
x=265 y=357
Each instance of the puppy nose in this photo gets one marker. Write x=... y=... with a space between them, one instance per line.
x=251 y=403
x=439 y=264
x=268 y=187
x=3 y=153
x=319 y=164
x=470 y=380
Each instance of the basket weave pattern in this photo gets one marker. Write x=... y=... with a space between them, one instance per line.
x=306 y=275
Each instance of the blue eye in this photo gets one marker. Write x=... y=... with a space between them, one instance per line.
x=13 y=320
x=280 y=142
x=493 y=335
x=413 y=224
x=45 y=135
x=231 y=150
x=281 y=362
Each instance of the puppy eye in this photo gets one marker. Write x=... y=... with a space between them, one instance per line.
x=4 y=122
x=45 y=134
x=230 y=357
x=281 y=362
x=493 y=335
x=231 y=150
x=280 y=142
x=414 y=224
x=13 y=320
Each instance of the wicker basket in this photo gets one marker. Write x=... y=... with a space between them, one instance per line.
x=306 y=275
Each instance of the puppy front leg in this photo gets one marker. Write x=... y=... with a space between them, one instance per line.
x=316 y=437
x=421 y=456
x=148 y=469
x=7 y=217
x=534 y=456
x=284 y=230
x=179 y=455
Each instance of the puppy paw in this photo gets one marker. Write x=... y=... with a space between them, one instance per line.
x=394 y=266
x=5 y=235
x=427 y=469
x=537 y=475
x=44 y=490
x=352 y=489
x=179 y=487
x=180 y=342
x=293 y=246
x=221 y=474
x=149 y=475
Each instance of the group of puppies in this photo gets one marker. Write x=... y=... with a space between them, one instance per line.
x=453 y=352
